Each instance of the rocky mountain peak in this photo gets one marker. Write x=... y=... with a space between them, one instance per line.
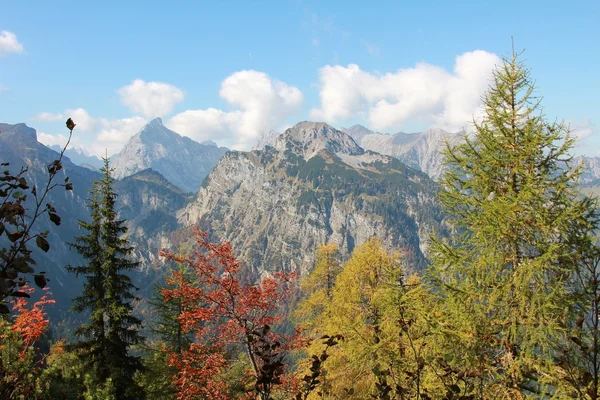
x=307 y=139
x=182 y=161
x=155 y=131
x=18 y=132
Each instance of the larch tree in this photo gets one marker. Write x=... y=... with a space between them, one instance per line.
x=506 y=275
x=317 y=287
x=105 y=341
x=381 y=318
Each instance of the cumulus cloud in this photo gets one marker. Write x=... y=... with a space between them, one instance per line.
x=425 y=93
x=114 y=134
x=151 y=99
x=85 y=122
x=260 y=103
x=9 y=43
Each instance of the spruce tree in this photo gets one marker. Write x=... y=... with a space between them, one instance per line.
x=167 y=325
x=157 y=378
x=506 y=275
x=107 y=294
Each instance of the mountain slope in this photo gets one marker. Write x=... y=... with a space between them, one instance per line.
x=146 y=200
x=182 y=161
x=418 y=150
x=315 y=185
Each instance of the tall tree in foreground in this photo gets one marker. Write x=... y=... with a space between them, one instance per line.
x=107 y=295
x=228 y=318
x=506 y=275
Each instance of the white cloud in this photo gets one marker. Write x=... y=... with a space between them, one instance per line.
x=83 y=120
x=425 y=93
x=114 y=134
x=51 y=140
x=48 y=117
x=101 y=135
x=582 y=130
x=9 y=43
x=151 y=99
x=261 y=103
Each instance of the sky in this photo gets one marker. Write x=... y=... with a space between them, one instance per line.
x=230 y=71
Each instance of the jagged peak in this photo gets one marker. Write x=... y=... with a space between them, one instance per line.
x=308 y=138
x=155 y=122
x=358 y=128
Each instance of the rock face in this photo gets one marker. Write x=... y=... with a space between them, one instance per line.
x=591 y=170
x=421 y=151
x=418 y=150
x=149 y=203
x=315 y=185
x=182 y=161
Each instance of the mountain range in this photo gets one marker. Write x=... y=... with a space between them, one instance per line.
x=315 y=185
x=309 y=185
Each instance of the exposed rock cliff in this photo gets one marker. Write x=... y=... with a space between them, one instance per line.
x=315 y=185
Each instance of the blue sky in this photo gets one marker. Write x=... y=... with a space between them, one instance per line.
x=228 y=71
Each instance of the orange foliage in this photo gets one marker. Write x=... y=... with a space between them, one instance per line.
x=225 y=314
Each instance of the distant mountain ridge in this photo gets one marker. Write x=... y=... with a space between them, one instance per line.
x=421 y=151
x=182 y=161
x=78 y=157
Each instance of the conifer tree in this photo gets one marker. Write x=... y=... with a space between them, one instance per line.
x=318 y=289
x=107 y=294
x=382 y=317
x=172 y=339
x=167 y=325
x=505 y=276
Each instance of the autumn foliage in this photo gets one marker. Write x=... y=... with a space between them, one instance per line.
x=229 y=317
x=21 y=361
